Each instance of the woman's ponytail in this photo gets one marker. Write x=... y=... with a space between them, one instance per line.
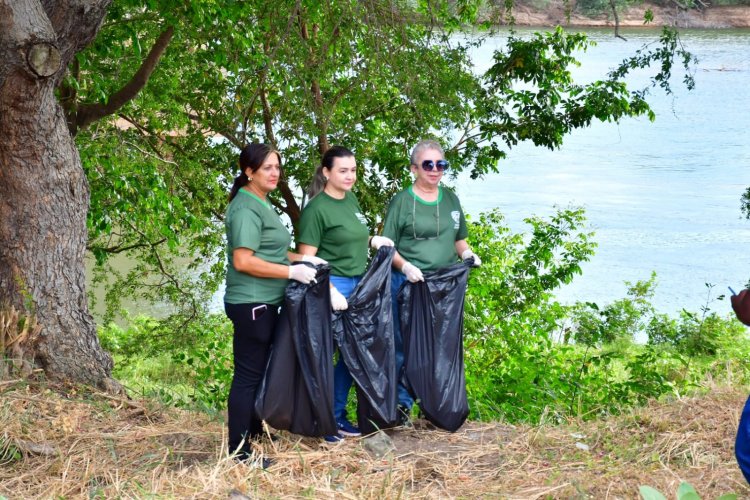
x=239 y=181
x=318 y=183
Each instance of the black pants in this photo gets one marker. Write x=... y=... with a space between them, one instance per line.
x=253 y=335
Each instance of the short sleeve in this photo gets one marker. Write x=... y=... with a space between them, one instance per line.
x=390 y=225
x=463 y=231
x=245 y=230
x=310 y=227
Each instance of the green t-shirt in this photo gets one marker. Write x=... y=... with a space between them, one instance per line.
x=252 y=223
x=338 y=230
x=425 y=232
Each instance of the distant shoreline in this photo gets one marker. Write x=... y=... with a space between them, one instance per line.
x=713 y=17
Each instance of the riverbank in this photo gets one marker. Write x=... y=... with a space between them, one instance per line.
x=69 y=443
x=712 y=17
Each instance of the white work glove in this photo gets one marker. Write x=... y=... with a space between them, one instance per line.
x=338 y=301
x=468 y=254
x=315 y=261
x=380 y=241
x=412 y=272
x=303 y=274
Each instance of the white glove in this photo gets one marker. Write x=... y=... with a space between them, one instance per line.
x=303 y=274
x=380 y=241
x=315 y=261
x=338 y=301
x=412 y=272
x=468 y=254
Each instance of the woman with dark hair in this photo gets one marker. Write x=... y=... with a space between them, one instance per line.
x=332 y=226
x=258 y=271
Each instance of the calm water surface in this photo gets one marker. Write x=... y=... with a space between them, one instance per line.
x=661 y=196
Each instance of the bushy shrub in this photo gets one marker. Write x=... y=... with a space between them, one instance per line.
x=529 y=358
x=513 y=366
x=197 y=371
x=698 y=334
x=622 y=319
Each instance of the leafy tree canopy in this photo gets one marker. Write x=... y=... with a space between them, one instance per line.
x=169 y=91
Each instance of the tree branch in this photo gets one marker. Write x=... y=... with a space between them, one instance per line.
x=88 y=113
x=119 y=249
x=291 y=208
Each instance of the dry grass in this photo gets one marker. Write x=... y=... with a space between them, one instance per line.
x=56 y=443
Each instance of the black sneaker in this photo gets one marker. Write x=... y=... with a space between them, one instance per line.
x=251 y=459
x=346 y=428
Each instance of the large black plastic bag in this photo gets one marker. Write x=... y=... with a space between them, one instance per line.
x=296 y=393
x=432 y=327
x=364 y=335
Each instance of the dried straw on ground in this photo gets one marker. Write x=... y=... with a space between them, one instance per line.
x=68 y=444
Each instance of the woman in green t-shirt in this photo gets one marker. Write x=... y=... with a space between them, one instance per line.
x=332 y=227
x=258 y=271
x=427 y=224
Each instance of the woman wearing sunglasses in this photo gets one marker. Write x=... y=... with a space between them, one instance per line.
x=427 y=225
x=332 y=227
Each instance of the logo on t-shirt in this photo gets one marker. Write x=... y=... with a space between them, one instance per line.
x=456 y=216
x=361 y=218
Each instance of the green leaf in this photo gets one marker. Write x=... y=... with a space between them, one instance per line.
x=686 y=492
x=649 y=493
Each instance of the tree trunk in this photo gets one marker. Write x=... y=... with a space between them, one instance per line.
x=44 y=194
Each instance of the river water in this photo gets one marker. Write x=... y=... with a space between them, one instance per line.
x=661 y=196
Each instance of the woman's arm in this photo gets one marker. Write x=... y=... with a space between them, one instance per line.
x=245 y=261
x=398 y=261
x=305 y=249
x=461 y=246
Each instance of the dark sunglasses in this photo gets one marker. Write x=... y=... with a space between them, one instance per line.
x=441 y=165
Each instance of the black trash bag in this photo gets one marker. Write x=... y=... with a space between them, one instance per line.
x=296 y=393
x=432 y=326
x=364 y=335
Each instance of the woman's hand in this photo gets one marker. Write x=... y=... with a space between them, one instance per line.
x=412 y=272
x=302 y=273
x=380 y=241
x=312 y=259
x=338 y=301
x=467 y=254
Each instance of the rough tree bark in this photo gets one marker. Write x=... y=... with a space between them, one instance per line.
x=44 y=194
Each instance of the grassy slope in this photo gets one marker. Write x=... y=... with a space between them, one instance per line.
x=76 y=444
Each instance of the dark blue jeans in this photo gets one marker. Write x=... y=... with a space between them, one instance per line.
x=742 y=443
x=254 y=326
x=342 y=379
x=404 y=399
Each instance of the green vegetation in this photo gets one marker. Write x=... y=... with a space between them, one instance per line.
x=528 y=357
x=374 y=76
x=684 y=492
